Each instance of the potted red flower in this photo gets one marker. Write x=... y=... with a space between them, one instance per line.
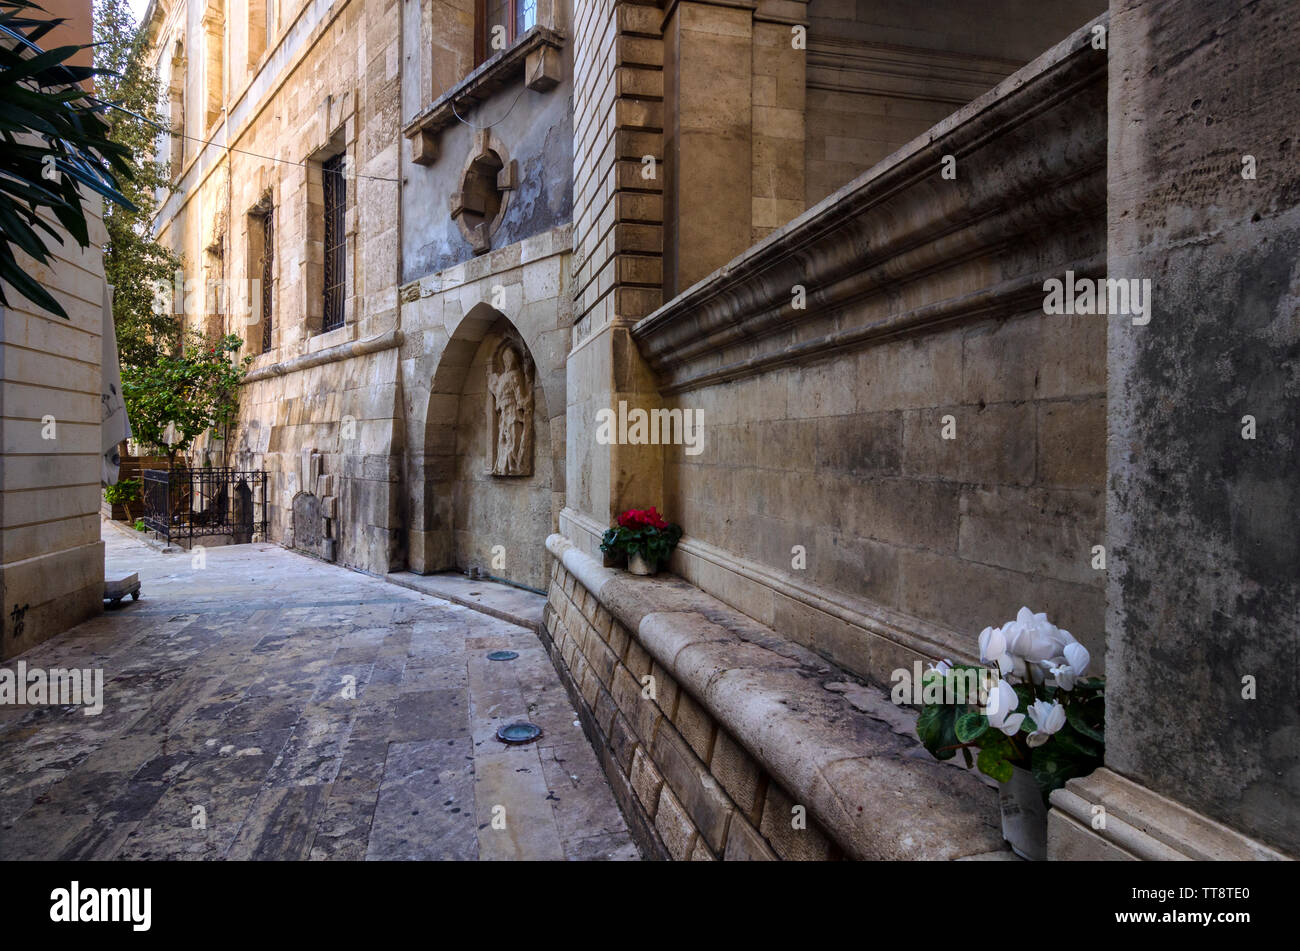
x=645 y=537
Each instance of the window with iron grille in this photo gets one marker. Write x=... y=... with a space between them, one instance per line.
x=334 y=191
x=268 y=252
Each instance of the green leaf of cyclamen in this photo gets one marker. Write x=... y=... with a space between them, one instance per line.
x=970 y=726
x=1077 y=718
x=993 y=765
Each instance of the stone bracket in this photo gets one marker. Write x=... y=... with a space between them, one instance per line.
x=536 y=59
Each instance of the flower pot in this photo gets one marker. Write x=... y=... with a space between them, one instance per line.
x=638 y=565
x=1024 y=815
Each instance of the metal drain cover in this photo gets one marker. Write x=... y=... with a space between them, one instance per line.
x=518 y=732
x=502 y=655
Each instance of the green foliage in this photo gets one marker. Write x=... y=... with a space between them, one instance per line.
x=127 y=490
x=970 y=726
x=1075 y=750
x=195 y=389
x=937 y=729
x=140 y=526
x=133 y=261
x=54 y=143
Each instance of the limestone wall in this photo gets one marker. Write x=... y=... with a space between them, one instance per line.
x=881 y=73
x=1204 y=592
x=721 y=742
x=533 y=128
x=454 y=512
x=688 y=789
x=51 y=558
x=921 y=449
x=327 y=82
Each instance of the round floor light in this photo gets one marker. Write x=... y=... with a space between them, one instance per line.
x=502 y=655
x=515 y=733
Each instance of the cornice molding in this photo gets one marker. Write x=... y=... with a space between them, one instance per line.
x=1038 y=142
x=844 y=65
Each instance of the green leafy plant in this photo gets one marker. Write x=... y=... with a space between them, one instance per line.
x=140 y=526
x=174 y=400
x=123 y=493
x=53 y=144
x=1050 y=720
x=642 y=532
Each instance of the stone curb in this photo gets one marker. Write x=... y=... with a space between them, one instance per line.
x=877 y=792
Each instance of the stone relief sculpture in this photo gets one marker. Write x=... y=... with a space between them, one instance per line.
x=510 y=390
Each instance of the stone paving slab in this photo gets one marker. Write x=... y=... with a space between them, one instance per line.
x=269 y=706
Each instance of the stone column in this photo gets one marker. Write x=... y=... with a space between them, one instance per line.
x=1203 y=504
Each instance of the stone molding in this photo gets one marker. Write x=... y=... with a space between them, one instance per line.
x=849 y=768
x=344 y=351
x=1139 y=824
x=919 y=637
x=896 y=224
x=902 y=72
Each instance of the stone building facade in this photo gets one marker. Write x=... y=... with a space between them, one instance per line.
x=51 y=558
x=824 y=227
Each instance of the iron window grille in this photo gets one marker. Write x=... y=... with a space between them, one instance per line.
x=334 y=189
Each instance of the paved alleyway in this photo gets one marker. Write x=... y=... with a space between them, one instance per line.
x=226 y=732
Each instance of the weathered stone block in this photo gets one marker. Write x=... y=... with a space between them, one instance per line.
x=744 y=844
x=708 y=806
x=739 y=775
x=808 y=844
x=646 y=781
x=666 y=690
x=695 y=726
x=674 y=826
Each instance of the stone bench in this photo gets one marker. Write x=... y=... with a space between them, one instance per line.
x=741 y=730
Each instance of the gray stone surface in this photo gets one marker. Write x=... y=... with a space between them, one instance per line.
x=229 y=696
x=1203 y=587
x=852 y=760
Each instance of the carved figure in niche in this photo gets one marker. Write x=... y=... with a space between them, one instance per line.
x=510 y=386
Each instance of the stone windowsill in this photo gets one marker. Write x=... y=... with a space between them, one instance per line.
x=848 y=753
x=534 y=59
x=332 y=338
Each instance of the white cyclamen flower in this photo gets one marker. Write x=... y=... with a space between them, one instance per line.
x=1049 y=717
x=1032 y=637
x=942 y=667
x=1002 y=700
x=1069 y=668
x=993 y=649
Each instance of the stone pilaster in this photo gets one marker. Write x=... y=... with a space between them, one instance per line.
x=1203 y=593
x=618 y=244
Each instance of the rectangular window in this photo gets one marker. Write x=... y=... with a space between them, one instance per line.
x=268 y=252
x=334 y=191
x=501 y=22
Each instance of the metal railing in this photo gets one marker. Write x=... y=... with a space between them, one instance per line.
x=196 y=503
